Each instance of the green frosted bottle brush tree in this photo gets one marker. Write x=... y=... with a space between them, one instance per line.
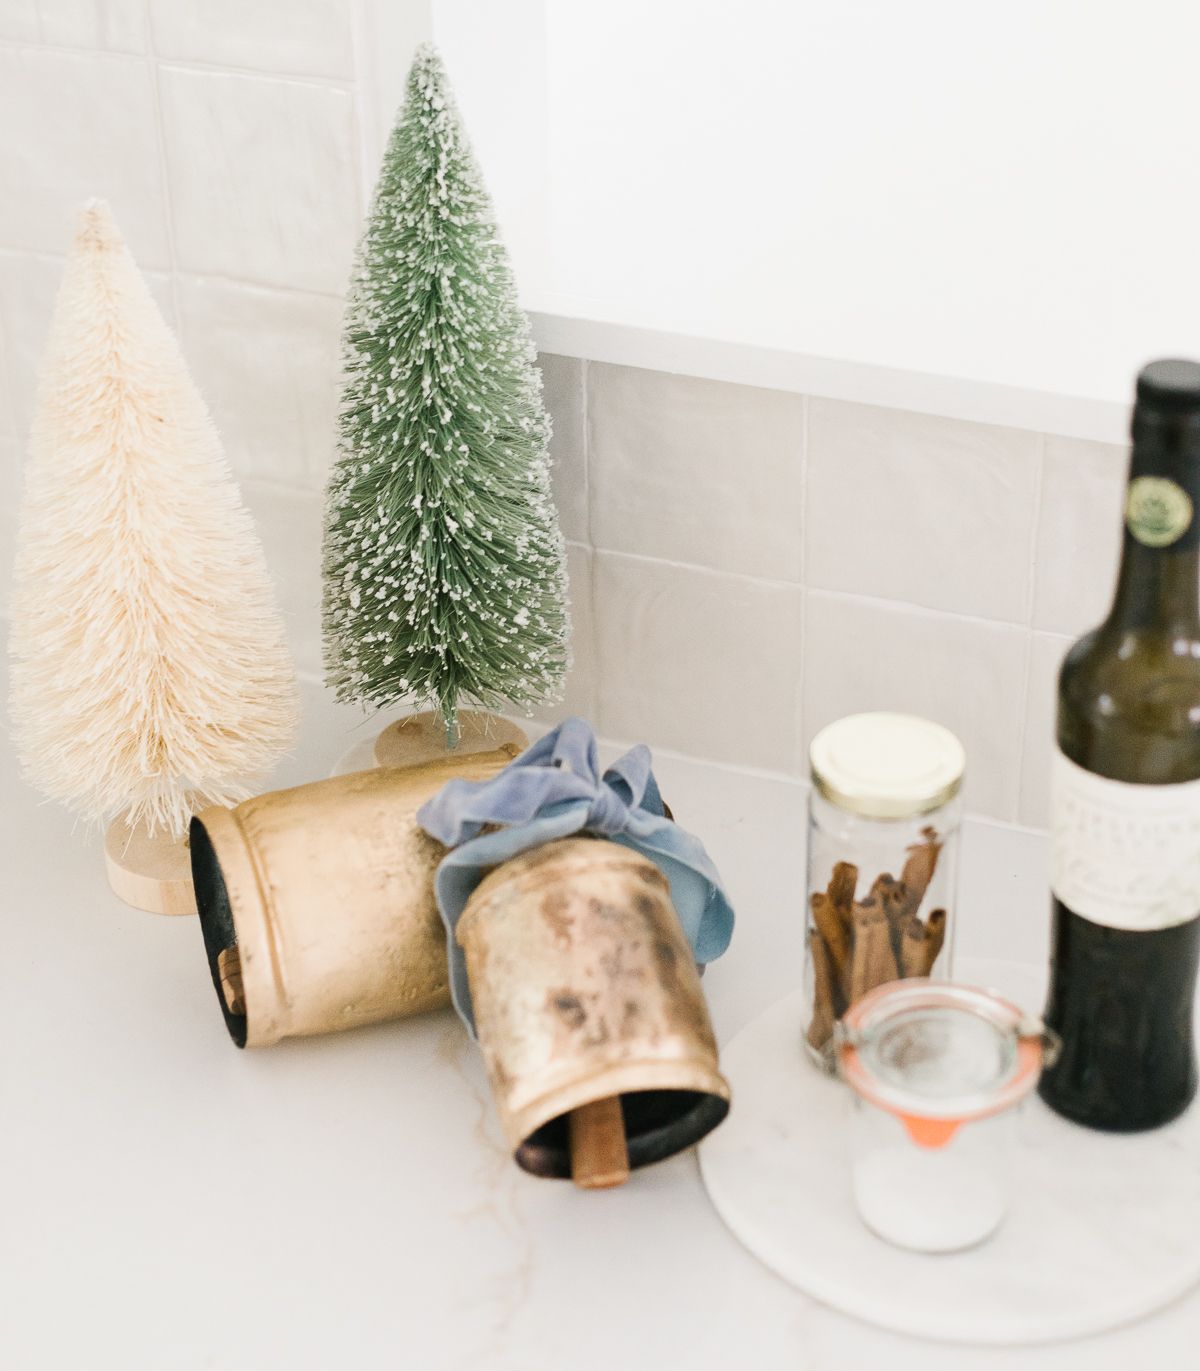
x=444 y=566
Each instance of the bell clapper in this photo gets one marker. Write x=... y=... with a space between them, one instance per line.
x=599 y=1152
x=229 y=968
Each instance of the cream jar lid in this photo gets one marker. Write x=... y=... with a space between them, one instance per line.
x=887 y=766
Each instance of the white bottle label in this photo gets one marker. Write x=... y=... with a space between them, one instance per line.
x=1127 y=856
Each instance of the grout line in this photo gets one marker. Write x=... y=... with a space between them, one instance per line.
x=592 y=685
x=805 y=404
x=177 y=63
x=802 y=674
x=975 y=817
x=585 y=413
x=758 y=773
x=8 y=385
x=43 y=254
x=289 y=78
x=1039 y=503
x=1023 y=719
x=161 y=148
x=1031 y=598
x=882 y=602
x=46 y=255
x=854 y=596
x=37 y=46
x=771 y=581
x=909 y=606
x=365 y=108
x=775 y=582
x=266 y=485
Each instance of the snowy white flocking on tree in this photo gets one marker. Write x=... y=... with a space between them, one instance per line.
x=150 y=673
x=444 y=563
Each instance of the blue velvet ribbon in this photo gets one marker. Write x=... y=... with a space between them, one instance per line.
x=552 y=790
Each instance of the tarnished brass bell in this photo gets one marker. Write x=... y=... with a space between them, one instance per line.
x=317 y=903
x=584 y=988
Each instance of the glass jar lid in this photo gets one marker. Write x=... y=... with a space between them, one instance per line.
x=938 y=1055
x=887 y=766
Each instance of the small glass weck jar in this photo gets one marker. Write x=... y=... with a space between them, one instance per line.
x=883 y=823
x=935 y=1072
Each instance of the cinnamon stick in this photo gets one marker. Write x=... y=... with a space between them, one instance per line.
x=893 y=898
x=834 y=933
x=936 y=925
x=229 y=969
x=842 y=885
x=857 y=945
x=873 y=962
x=920 y=866
x=914 y=948
x=826 y=995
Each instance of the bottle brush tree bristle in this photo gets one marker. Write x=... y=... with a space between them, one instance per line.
x=150 y=672
x=444 y=563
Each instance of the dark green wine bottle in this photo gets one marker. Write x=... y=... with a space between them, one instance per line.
x=1126 y=797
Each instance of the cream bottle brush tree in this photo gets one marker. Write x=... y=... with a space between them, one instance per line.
x=444 y=563
x=150 y=673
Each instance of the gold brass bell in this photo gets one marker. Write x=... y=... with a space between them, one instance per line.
x=317 y=903
x=585 y=990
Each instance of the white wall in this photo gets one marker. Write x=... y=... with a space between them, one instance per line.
x=1003 y=192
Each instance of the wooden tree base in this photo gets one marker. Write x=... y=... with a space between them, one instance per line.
x=421 y=738
x=149 y=873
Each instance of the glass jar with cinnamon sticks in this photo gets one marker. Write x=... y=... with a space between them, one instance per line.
x=884 y=815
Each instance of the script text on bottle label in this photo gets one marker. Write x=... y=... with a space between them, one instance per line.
x=1127 y=856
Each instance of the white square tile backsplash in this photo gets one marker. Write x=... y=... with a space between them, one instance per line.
x=275 y=200
x=895 y=499
x=696 y=471
x=95 y=133
x=267 y=363
x=300 y=37
x=745 y=564
x=698 y=661
x=290 y=526
x=99 y=25
x=1079 y=535
x=1046 y=652
x=28 y=286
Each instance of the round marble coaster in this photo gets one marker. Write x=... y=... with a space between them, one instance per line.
x=1103 y=1227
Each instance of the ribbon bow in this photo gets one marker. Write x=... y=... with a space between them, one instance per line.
x=552 y=790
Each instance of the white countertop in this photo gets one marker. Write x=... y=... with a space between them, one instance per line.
x=170 y=1203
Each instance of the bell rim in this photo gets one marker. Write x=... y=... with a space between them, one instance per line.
x=686 y=1076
